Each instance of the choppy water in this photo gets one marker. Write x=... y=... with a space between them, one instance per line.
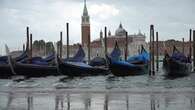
x=99 y=93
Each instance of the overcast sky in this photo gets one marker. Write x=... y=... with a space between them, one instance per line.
x=46 y=18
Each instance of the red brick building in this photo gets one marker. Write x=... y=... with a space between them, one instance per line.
x=85 y=26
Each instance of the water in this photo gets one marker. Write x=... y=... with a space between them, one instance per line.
x=99 y=93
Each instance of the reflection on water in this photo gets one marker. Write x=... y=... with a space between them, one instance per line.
x=99 y=93
x=97 y=101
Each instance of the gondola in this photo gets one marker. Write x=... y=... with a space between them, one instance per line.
x=34 y=70
x=5 y=68
x=4 y=59
x=49 y=60
x=102 y=62
x=98 y=62
x=76 y=66
x=177 y=64
x=116 y=53
x=135 y=65
x=74 y=69
x=35 y=67
x=5 y=71
x=78 y=57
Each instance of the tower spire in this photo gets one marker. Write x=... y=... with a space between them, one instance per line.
x=85 y=26
x=85 y=12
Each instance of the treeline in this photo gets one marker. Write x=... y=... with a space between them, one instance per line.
x=41 y=47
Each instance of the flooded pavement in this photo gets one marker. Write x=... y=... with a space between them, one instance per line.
x=98 y=100
x=99 y=93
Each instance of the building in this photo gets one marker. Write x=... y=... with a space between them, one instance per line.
x=97 y=46
x=134 y=41
x=85 y=26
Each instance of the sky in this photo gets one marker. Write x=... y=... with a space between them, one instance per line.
x=46 y=18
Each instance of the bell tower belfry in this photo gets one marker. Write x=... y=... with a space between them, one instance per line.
x=85 y=26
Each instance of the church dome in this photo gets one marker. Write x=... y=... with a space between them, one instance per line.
x=120 y=31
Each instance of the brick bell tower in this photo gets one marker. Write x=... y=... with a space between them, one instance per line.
x=85 y=26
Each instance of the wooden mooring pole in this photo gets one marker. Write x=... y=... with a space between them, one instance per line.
x=183 y=45
x=31 y=48
x=67 y=40
x=88 y=48
x=106 y=100
x=150 y=49
x=30 y=103
x=61 y=44
x=157 y=52
x=68 y=101
x=194 y=50
x=190 y=43
x=126 y=46
x=151 y=71
x=23 y=47
x=105 y=39
x=27 y=40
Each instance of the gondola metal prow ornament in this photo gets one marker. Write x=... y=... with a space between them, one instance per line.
x=9 y=59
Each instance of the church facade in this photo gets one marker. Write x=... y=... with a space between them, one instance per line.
x=134 y=41
x=119 y=37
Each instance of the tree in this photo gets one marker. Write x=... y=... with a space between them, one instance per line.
x=49 y=48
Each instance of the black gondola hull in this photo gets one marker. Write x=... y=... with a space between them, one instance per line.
x=121 y=70
x=76 y=70
x=31 y=70
x=5 y=71
x=176 y=68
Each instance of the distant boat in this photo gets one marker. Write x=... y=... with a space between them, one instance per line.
x=135 y=65
x=177 y=64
